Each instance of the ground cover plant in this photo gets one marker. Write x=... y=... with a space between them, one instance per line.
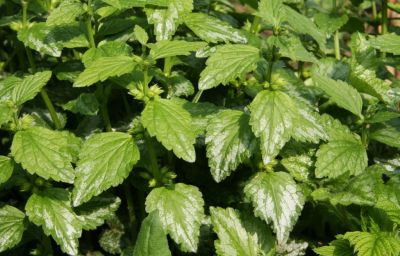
x=199 y=127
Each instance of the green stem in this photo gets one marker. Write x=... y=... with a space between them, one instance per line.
x=131 y=209
x=31 y=60
x=269 y=71
x=104 y=109
x=52 y=110
x=167 y=66
x=153 y=159
x=384 y=22
x=337 y=45
x=24 y=13
x=255 y=26
x=89 y=29
x=374 y=12
x=196 y=97
x=384 y=17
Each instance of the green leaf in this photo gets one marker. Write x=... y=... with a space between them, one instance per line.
x=104 y=68
x=181 y=212
x=360 y=190
x=304 y=25
x=230 y=141
x=29 y=86
x=291 y=47
x=107 y=49
x=338 y=247
x=387 y=133
x=234 y=240
x=171 y=124
x=329 y=23
x=272 y=116
x=7 y=111
x=298 y=160
x=7 y=86
x=65 y=13
x=6 y=169
x=271 y=11
x=228 y=63
x=85 y=104
x=97 y=210
x=307 y=127
x=213 y=30
x=105 y=160
x=164 y=49
x=340 y=92
x=36 y=37
x=339 y=156
x=276 y=198
x=152 y=240
x=46 y=153
x=365 y=80
x=382 y=116
x=167 y=20
x=141 y=35
x=386 y=43
x=52 y=211
x=373 y=244
x=11 y=227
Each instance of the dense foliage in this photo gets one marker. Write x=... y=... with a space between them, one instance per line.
x=199 y=127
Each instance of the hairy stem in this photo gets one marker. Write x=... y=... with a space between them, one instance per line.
x=197 y=97
x=337 y=45
x=384 y=22
x=31 y=60
x=105 y=91
x=131 y=210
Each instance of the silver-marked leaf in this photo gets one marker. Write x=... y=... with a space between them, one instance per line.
x=230 y=141
x=164 y=49
x=213 y=30
x=11 y=227
x=228 y=63
x=307 y=127
x=52 y=211
x=28 y=87
x=105 y=160
x=366 y=81
x=272 y=117
x=152 y=241
x=65 y=13
x=386 y=43
x=46 y=153
x=341 y=155
x=36 y=37
x=277 y=199
x=97 y=210
x=180 y=209
x=233 y=238
x=340 y=92
x=271 y=11
x=167 y=20
x=6 y=168
x=171 y=124
x=104 y=68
